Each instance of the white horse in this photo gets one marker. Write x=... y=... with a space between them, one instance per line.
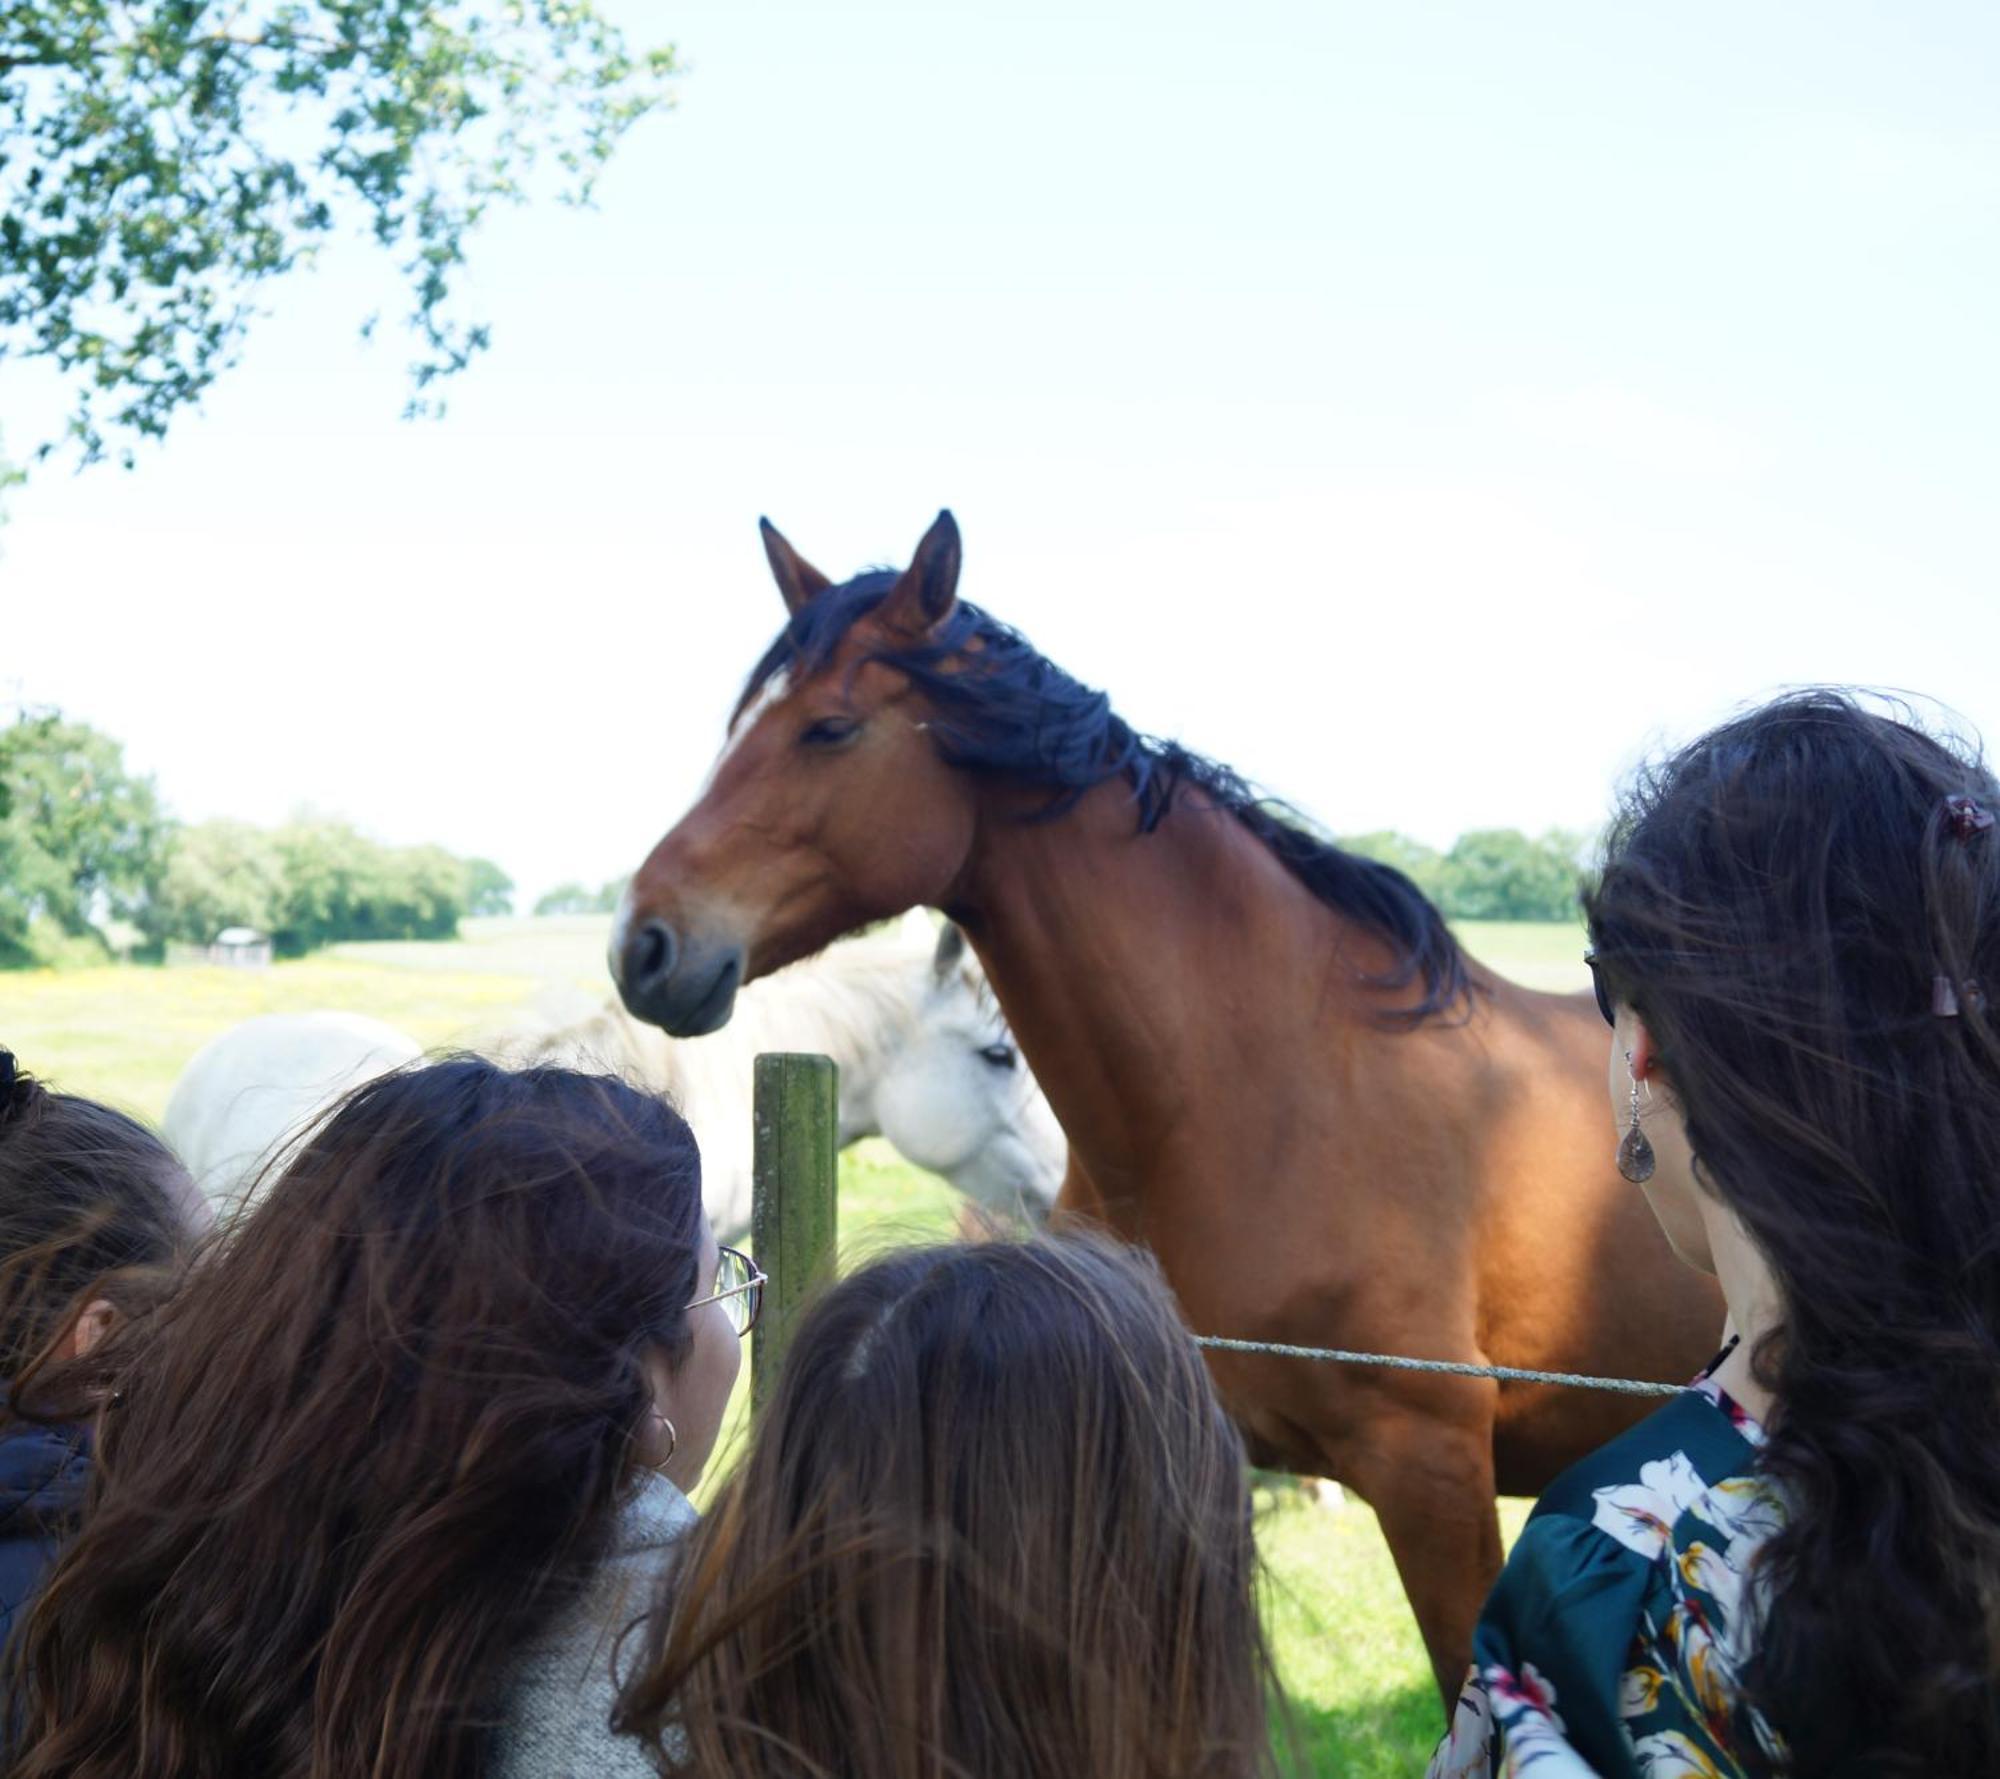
x=248 y=1095
x=925 y=1060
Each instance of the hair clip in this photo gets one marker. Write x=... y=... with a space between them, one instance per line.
x=1948 y=999
x=1967 y=815
x=7 y=1073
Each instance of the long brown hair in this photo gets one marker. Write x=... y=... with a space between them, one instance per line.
x=93 y=1206
x=378 y=1439
x=992 y=1521
x=1804 y=907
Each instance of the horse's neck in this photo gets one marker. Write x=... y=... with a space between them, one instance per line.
x=1123 y=958
x=1143 y=971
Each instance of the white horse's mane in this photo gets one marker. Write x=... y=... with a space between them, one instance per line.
x=852 y=1000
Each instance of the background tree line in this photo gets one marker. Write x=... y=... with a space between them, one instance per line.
x=86 y=845
x=314 y=881
x=1490 y=873
x=573 y=898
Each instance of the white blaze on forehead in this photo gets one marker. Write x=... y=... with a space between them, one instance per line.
x=768 y=694
x=621 y=926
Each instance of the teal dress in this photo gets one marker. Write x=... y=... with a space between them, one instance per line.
x=1613 y=1645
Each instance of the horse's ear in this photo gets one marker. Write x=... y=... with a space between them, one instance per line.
x=922 y=599
x=797 y=579
x=950 y=953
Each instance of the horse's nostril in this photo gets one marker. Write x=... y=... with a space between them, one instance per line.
x=649 y=955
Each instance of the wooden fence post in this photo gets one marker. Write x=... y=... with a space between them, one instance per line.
x=792 y=1217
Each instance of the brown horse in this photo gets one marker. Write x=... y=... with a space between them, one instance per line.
x=1274 y=1065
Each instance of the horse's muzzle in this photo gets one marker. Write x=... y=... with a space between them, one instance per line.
x=685 y=987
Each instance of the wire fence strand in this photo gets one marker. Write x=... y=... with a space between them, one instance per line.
x=1513 y=1374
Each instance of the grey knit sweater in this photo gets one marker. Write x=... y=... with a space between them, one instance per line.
x=558 y=1722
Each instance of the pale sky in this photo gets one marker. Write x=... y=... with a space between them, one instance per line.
x=1422 y=407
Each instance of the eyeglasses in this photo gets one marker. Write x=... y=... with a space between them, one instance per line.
x=739 y=1288
x=1604 y=1005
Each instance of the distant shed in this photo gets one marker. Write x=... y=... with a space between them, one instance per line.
x=240 y=948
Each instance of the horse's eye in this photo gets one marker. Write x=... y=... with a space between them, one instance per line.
x=829 y=732
x=1001 y=1056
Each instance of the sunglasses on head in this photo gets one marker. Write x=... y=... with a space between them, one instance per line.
x=1604 y=1005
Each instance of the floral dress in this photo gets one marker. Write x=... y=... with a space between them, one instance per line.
x=1613 y=1644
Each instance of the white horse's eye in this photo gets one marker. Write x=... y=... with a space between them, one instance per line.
x=1001 y=1056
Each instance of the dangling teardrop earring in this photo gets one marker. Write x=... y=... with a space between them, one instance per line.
x=1635 y=1153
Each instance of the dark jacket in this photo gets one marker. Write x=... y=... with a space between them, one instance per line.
x=43 y=1474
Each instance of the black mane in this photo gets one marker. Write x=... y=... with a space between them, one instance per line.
x=1004 y=707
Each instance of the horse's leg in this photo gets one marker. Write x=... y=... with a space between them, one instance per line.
x=1430 y=1482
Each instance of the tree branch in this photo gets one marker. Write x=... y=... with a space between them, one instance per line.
x=10 y=60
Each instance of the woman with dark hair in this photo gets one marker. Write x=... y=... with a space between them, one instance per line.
x=96 y=1220
x=397 y=1466
x=1795 y=1567
x=992 y=1522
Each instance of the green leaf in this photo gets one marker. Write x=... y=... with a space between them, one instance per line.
x=157 y=172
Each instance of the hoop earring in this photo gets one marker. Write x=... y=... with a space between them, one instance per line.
x=1635 y=1152
x=673 y=1438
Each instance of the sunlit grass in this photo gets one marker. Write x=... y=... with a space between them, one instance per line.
x=123 y=1033
x=1535 y=954
x=1358 y=1684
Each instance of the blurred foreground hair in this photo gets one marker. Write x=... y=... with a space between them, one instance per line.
x=993 y=1521
x=378 y=1439
x=93 y=1207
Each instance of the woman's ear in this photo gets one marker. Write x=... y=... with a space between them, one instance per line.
x=1637 y=1042
x=657 y=1434
x=98 y=1319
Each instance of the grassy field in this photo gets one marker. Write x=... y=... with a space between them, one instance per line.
x=1534 y=954
x=1348 y=1653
